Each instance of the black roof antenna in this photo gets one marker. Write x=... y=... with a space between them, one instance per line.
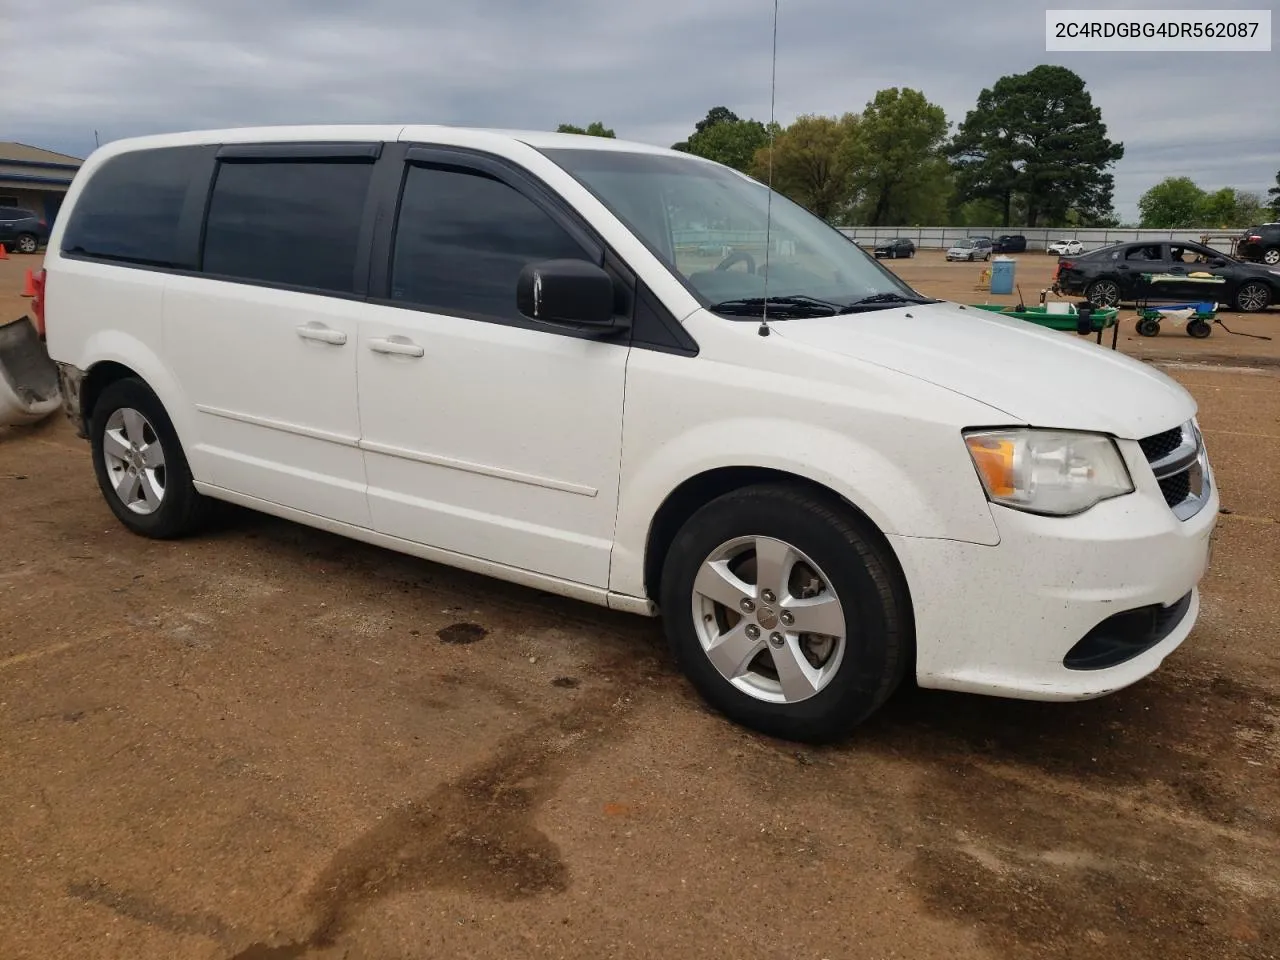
x=768 y=216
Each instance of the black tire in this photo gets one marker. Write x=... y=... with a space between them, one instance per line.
x=182 y=509
x=1199 y=329
x=1253 y=297
x=1271 y=256
x=1104 y=293
x=860 y=570
x=27 y=243
x=1148 y=327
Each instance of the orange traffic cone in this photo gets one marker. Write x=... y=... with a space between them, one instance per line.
x=29 y=285
x=3 y=254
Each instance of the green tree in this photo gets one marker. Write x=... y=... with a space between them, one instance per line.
x=1249 y=208
x=732 y=142
x=593 y=129
x=714 y=116
x=1218 y=209
x=1173 y=203
x=1037 y=135
x=898 y=171
x=1273 y=195
x=810 y=163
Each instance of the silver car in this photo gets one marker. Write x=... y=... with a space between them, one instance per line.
x=970 y=249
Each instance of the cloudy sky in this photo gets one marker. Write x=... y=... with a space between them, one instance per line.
x=649 y=70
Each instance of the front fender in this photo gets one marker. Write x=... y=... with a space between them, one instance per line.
x=897 y=494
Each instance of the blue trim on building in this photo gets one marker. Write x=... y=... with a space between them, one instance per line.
x=28 y=178
x=39 y=163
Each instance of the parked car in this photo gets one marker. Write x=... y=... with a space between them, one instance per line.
x=970 y=248
x=901 y=247
x=1261 y=243
x=1010 y=243
x=1065 y=248
x=479 y=348
x=1192 y=271
x=22 y=230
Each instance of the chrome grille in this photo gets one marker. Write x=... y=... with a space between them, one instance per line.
x=1177 y=459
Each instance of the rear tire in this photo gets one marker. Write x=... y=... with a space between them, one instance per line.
x=1271 y=256
x=1148 y=327
x=27 y=243
x=1104 y=293
x=830 y=569
x=141 y=469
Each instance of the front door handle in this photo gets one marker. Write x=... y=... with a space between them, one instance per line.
x=318 y=331
x=400 y=346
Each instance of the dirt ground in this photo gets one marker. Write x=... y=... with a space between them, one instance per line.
x=268 y=742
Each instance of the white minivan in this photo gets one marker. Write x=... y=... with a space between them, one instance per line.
x=544 y=357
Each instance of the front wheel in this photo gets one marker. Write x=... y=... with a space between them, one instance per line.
x=1253 y=297
x=1198 y=329
x=786 y=612
x=140 y=466
x=1271 y=256
x=1148 y=327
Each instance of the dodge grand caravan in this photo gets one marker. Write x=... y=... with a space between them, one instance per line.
x=513 y=353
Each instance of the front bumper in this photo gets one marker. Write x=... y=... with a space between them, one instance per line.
x=1002 y=620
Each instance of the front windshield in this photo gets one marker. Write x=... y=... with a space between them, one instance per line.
x=964 y=244
x=707 y=223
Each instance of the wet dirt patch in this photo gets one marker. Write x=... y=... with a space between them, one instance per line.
x=462 y=633
x=476 y=834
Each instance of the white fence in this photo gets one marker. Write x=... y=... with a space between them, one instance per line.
x=939 y=238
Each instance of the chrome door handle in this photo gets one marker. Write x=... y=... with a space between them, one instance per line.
x=400 y=346
x=318 y=331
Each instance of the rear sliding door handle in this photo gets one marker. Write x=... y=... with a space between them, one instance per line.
x=400 y=346
x=318 y=331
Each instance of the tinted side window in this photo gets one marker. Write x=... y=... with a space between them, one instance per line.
x=463 y=238
x=289 y=222
x=130 y=208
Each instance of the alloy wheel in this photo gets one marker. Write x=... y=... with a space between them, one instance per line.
x=134 y=460
x=768 y=619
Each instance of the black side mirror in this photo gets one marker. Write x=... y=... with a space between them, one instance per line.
x=1217 y=262
x=571 y=293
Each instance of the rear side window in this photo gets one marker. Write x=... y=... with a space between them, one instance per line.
x=293 y=222
x=462 y=239
x=131 y=207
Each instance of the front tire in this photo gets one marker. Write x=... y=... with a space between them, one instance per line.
x=1253 y=297
x=787 y=612
x=1271 y=256
x=141 y=468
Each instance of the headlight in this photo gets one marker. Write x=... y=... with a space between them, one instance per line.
x=1048 y=471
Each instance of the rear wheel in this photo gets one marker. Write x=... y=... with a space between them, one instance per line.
x=1148 y=327
x=786 y=612
x=1253 y=297
x=1104 y=293
x=140 y=466
x=1271 y=256
x=27 y=243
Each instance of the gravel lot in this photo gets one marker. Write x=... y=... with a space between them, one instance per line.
x=268 y=742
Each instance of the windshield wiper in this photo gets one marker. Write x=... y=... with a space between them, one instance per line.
x=796 y=305
x=888 y=299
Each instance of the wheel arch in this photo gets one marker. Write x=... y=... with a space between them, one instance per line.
x=699 y=490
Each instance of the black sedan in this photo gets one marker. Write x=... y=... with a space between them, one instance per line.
x=1170 y=271
x=901 y=247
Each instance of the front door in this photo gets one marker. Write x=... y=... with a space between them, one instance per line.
x=264 y=340
x=1200 y=279
x=484 y=433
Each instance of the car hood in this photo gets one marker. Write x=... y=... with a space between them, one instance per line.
x=1033 y=375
